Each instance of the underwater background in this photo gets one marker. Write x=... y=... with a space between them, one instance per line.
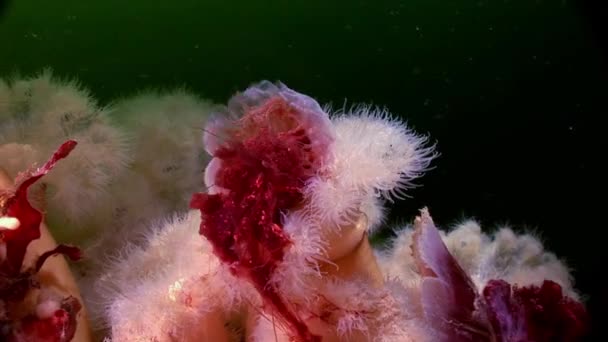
x=512 y=91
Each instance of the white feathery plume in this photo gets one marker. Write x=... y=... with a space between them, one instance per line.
x=166 y=169
x=377 y=151
x=298 y=273
x=166 y=129
x=374 y=156
x=165 y=286
x=42 y=112
x=123 y=220
x=354 y=310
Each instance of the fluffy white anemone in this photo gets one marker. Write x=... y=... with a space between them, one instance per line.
x=167 y=149
x=374 y=157
x=165 y=288
x=37 y=115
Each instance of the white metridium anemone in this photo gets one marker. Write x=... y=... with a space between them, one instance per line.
x=167 y=148
x=298 y=273
x=39 y=113
x=168 y=288
x=374 y=157
x=168 y=160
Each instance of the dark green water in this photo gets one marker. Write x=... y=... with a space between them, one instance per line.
x=512 y=91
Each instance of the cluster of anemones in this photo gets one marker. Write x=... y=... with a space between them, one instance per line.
x=280 y=157
x=292 y=190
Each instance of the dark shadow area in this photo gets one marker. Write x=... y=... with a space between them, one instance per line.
x=4 y=4
x=596 y=14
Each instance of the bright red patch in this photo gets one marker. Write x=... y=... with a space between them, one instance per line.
x=17 y=205
x=60 y=327
x=265 y=163
x=15 y=281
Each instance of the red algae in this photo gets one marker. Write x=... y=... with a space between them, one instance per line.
x=15 y=281
x=17 y=205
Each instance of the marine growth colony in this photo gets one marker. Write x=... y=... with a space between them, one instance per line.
x=289 y=191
